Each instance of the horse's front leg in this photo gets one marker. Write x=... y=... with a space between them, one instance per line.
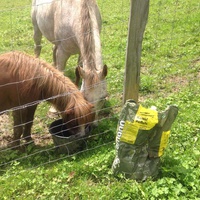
x=61 y=57
x=77 y=73
x=37 y=39
x=28 y=122
x=17 y=129
x=54 y=55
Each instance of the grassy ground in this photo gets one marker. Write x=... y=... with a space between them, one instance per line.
x=170 y=74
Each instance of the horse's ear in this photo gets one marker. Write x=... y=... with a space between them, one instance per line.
x=104 y=71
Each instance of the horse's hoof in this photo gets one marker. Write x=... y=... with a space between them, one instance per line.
x=53 y=113
x=52 y=110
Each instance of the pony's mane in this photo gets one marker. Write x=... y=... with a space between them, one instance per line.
x=36 y=72
x=43 y=79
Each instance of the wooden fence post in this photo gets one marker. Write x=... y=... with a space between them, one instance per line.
x=137 y=22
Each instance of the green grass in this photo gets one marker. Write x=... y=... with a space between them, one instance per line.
x=170 y=74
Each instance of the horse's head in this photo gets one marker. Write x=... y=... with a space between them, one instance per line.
x=94 y=87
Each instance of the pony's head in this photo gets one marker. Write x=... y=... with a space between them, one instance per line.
x=94 y=87
x=77 y=114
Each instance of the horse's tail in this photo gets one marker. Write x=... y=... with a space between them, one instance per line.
x=78 y=111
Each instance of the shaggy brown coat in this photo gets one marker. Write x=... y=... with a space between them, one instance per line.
x=25 y=81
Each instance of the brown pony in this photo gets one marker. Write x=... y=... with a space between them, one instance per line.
x=26 y=81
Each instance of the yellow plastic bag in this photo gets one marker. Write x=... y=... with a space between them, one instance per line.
x=142 y=136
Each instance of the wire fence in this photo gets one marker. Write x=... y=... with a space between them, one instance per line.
x=16 y=34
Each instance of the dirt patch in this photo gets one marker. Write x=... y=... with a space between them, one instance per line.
x=6 y=132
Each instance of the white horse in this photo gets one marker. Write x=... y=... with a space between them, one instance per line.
x=73 y=26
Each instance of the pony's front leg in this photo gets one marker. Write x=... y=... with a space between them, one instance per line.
x=17 y=130
x=28 y=122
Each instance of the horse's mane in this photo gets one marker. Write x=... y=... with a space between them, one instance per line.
x=37 y=76
x=88 y=40
x=87 y=33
